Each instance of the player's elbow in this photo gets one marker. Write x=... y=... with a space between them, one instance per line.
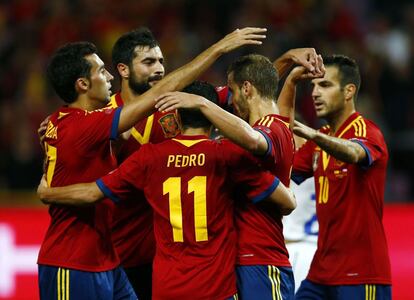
x=288 y=207
x=94 y=194
x=256 y=144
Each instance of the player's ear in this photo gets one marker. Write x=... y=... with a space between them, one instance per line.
x=82 y=84
x=349 y=91
x=247 y=88
x=123 y=70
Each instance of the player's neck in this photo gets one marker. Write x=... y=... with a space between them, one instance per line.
x=126 y=92
x=88 y=104
x=336 y=121
x=261 y=108
x=195 y=131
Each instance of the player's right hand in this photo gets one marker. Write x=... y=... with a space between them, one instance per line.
x=173 y=100
x=41 y=188
x=301 y=73
x=241 y=37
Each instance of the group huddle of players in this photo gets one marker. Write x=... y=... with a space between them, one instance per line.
x=190 y=217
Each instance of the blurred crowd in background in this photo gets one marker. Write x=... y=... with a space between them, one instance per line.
x=379 y=34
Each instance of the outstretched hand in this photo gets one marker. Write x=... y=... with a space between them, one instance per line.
x=304 y=131
x=241 y=37
x=173 y=100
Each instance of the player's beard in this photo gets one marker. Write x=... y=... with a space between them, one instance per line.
x=140 y=87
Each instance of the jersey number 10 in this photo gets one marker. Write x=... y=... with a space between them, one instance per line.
x=198 y=186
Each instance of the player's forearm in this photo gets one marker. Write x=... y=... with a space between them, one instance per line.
x=284 y=199
x=344 y=150
x=77 y=194
x=143 y=106
x=286 y=100
x=234 y=128
x=283 y=64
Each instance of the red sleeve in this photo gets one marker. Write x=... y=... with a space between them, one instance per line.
x=246 y=173
x=275 y=137
x=129 y=176
x=303 y=162
x=97 y=127
x=373 y=144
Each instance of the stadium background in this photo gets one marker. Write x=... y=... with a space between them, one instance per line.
x=379 y=34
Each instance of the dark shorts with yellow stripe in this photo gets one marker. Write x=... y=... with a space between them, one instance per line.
x=310 y=290
x=67 y=284
x=265 y=282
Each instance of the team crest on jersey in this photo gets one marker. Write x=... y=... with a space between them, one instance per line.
x=338 y=163
x=315 y=160
x=169 y=125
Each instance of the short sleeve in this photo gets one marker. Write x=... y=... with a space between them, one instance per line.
x=97 y=126
x=247 y=174
x=373 y=144
x=129 y=176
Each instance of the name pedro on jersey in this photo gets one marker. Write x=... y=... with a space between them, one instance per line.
x=192 y=160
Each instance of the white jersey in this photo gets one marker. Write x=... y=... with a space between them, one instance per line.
x=300 y=229
x=302 y=224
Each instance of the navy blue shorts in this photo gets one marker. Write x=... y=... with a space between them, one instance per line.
x=310 y=290
x=66 y=284
x=265 y=282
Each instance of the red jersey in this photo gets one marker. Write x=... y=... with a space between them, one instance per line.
x=189 y=181
x=77 y=143
x=352 y=247
x=260 y=226
x=132 y=227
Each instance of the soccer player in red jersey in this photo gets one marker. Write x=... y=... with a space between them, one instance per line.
x=77 y=257
x=140 y=64
x=189 y=182
x=263 y=269
x=348 y=159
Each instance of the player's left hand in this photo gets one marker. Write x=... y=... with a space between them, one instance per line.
x=173 y=100
x=41 y=131
x=42 y=186
x=304 y=131
x=308 y=58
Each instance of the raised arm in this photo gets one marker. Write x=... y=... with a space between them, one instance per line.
x=76 y=194
x=287 y=96
x=143 y=105
x=231 y=126
x=342 y=149
x=283 y=198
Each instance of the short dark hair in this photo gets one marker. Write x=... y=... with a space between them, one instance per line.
x=258 y=70
x=194 y=118
x=123 y=50
x=67 y=65
x=348 y=69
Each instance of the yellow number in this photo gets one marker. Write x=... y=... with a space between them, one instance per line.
x=323 y=189
x=198 y=186
x=172 y=186
x=51 y=153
